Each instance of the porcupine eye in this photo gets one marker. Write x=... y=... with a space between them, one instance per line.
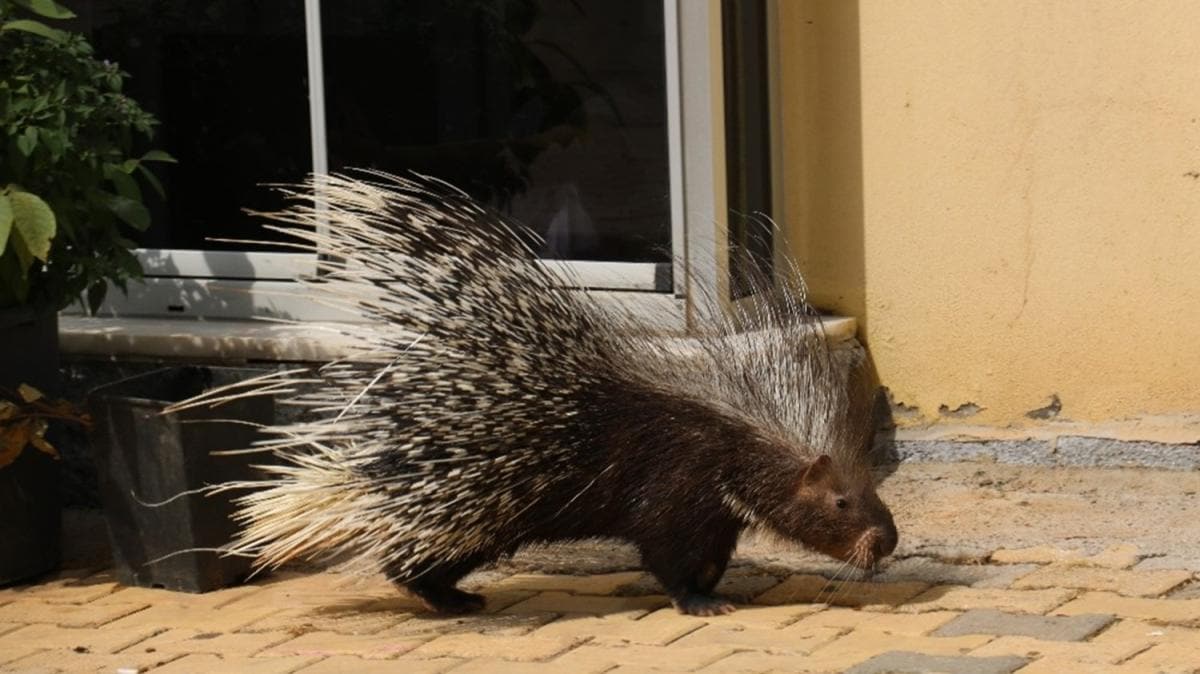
x=841 y=504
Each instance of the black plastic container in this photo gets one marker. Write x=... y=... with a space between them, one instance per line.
x=146 y=457
x=30 y=504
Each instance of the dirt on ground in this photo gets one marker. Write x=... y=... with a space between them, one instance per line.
x=956 y=512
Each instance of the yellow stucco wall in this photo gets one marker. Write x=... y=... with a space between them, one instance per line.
x=1007 y=195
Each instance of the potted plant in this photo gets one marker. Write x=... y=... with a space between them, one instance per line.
x=29 y=522
x=70 y=189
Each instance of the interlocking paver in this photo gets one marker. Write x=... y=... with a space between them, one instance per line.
x=369 y=620
x=495 y=666
x=1082 y=652
x=1129 y=583
x=770 y=616
x=316 y=644
x=202 y=663
x=1167 y=611
x=645 y=657
x=905 y=662
x=888 y=623
x=816 y=589
x=70 y=662
x=1122 y=556
x=520 y=648
x=106 y=640
x=957 y=598
x=348 y=664
x=786 y=640
x=659 y=628
x=178 y=613
x=561 y=602
x=185 y=641
x=66 y=615
x=936 y=572
x=1051 y=628
x=431 y=625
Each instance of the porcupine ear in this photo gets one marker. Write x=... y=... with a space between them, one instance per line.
x=817 y=470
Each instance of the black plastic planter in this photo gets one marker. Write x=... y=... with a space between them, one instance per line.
x=145 y=457
x=30 y=505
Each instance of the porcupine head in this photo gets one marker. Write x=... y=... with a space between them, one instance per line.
x=485 y=408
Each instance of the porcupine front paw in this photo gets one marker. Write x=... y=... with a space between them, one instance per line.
x=702 y=605
x=450 y=600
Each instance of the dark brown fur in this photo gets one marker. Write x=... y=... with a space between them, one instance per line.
x=656 y=473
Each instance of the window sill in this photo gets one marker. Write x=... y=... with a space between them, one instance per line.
x=235 y=340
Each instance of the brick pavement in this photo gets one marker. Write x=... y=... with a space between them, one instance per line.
x=1028 y=611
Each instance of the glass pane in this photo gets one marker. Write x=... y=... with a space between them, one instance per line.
x=747 y=144
x=227 y=81
x=551 y=110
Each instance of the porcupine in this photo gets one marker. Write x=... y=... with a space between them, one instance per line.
x=487 y=406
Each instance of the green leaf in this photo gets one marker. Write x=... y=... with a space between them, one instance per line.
x=153 y=180
x=46 y=8
x=27 y=141
x=37 y=28
x=95 y=296
x=132 y=212
x=159 y=155
x=34 y=223
x=126 y=185
x=6 y=220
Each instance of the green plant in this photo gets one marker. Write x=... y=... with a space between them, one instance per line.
x=70 y=181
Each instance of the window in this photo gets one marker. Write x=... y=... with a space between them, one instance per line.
x=566 y=115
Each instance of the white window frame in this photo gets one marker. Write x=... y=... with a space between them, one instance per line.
x=244 y=285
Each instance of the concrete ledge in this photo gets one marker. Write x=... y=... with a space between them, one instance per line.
x=193 y=340
x=1077 y=451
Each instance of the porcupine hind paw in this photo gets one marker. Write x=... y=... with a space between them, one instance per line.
x=702 y=605
x=449 y=599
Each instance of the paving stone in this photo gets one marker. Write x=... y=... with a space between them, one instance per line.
x=935 y=572
x=367 y=620
x=431 y=625
x=1049 y=628
x=1080 y=652
x=66 y=615
x=505 y=647
x=48 y=637
x=957 y=598
x=601 y=584
x=861 y=645
x=1166 y=611
x=204 y=619
x=769 y=616
x=1122 y=556
x=756 y=662
x=645 y=657
x=887 y=623
x=659 y=628
x=903 y=662
x=1181 y=657
x=815 y=589
x=208 y=662
x=187 y=641
x=321 y=644
x=767 y=640
x=561 y=602
x=1128 y=583
x=157 y=596
x=495 y=666
x=70 y=662
x=348 y=664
